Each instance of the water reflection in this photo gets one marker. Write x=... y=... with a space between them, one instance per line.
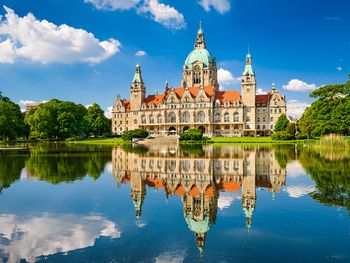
x=199 y=176
x=35 y=236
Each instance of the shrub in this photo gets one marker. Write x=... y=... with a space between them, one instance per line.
x=138 y=133
x=301 y=136
x=192 y=135
x=282 y=135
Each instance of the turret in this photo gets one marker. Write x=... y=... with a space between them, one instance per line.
x=248 y=85
x=137 y=90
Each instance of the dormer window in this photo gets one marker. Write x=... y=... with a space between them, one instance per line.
x=217 y=104
x=227 y=104
x=236 y=103
x=172 y=100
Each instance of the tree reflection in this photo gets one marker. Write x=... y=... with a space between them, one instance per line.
x=330 y=171
x=11 y=166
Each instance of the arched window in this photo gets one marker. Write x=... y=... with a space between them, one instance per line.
x=201 y=117
x=197 y=75
x=151 y=119
x=186 y=165
x=227 y=103
x=217 y=117
x=258 y=127
x=172 y=100
x=159 y=118
x=186 y=117
x=172 y=117
x=227 y=127
x=201 y=165
x=271 y=118
x=264 y=119
x=143 y=119
x=135 y=121
x=217 y=104
x=227 y=117
x=236 y=117
x=236 y=103
x=258 y=120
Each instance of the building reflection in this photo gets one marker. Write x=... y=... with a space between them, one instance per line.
x=198 y=176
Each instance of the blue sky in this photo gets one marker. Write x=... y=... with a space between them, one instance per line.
x=84 y=50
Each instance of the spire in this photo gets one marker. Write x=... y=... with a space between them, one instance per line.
x=273 y=87
x=138 y=75
x=248 y=65
x=200 y=42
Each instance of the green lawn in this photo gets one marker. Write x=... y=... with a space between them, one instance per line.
x=220 y=140
x=106 y=141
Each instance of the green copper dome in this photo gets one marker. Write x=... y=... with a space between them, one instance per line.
x=198 y=226
x=198 y=54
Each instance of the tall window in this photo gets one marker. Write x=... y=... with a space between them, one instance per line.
x=217 y=117
x=201 y=117
x=227 y=117
x=151 y=119
x=197 y=75
x=172 y=117
x=159 y=118
x=143 y=119
x=236 y=117
x=186 y=117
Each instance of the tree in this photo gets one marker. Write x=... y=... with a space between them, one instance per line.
x=192 y=135
x=330 y=113
x=282 y=123
x=11 y=119
x=57 y=120
x=97 y=122
x=138 y=133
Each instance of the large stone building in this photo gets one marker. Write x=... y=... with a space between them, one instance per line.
x=199 y=103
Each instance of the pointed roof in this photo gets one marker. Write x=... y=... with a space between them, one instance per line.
x=248 y=65
x=137 y=75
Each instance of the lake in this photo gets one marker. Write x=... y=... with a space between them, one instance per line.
x=230 y=203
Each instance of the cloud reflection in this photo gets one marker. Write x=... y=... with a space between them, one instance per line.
x=31 y=237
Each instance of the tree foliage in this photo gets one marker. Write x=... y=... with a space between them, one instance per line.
x=192 y=135
x=282 y=123
x=97 y=122
x=138 y=133
x=57 y=120
x=330 y=113
x=11 y=119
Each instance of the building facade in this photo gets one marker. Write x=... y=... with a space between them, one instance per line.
x=199 y=103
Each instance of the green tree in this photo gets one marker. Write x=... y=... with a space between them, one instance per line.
x=97 y=122
x=330 y=113
x=192 y=135
x=57 y=120
x=11 y=119
x=282 y=123
x=138 y=133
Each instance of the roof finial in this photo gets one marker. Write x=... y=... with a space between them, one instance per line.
x=248 y=50
x=200 y=30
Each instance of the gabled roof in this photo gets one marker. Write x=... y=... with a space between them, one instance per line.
x=209 y=90
x=263 y=98
x=229 y=95
x=155 y=99
x=126 y=104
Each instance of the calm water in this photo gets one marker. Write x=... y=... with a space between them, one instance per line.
x=185 y=204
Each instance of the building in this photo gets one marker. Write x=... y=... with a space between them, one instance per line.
x=199 y=179
x=199 y=103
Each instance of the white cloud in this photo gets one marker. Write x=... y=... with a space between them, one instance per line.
x=298 y=85
x=166 y=15
x=260 y=91
x=226 y=78
x=339 y=68
x=23 y=103
x=140 y=53
x=171 y=257
x=297 y=191
x=108 y=113
x=295 y=108
x=222 y=6
x=30 y=237
x=44 y=42
x=226 y=199
x=113 y=4
x=295 y=169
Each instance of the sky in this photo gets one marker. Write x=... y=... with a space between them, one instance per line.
x=85 y=51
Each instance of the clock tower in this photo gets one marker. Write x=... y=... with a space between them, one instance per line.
x=137 y=90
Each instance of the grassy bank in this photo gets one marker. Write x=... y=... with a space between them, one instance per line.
x=102 y=141
x=333 y=141
x=221 y=140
